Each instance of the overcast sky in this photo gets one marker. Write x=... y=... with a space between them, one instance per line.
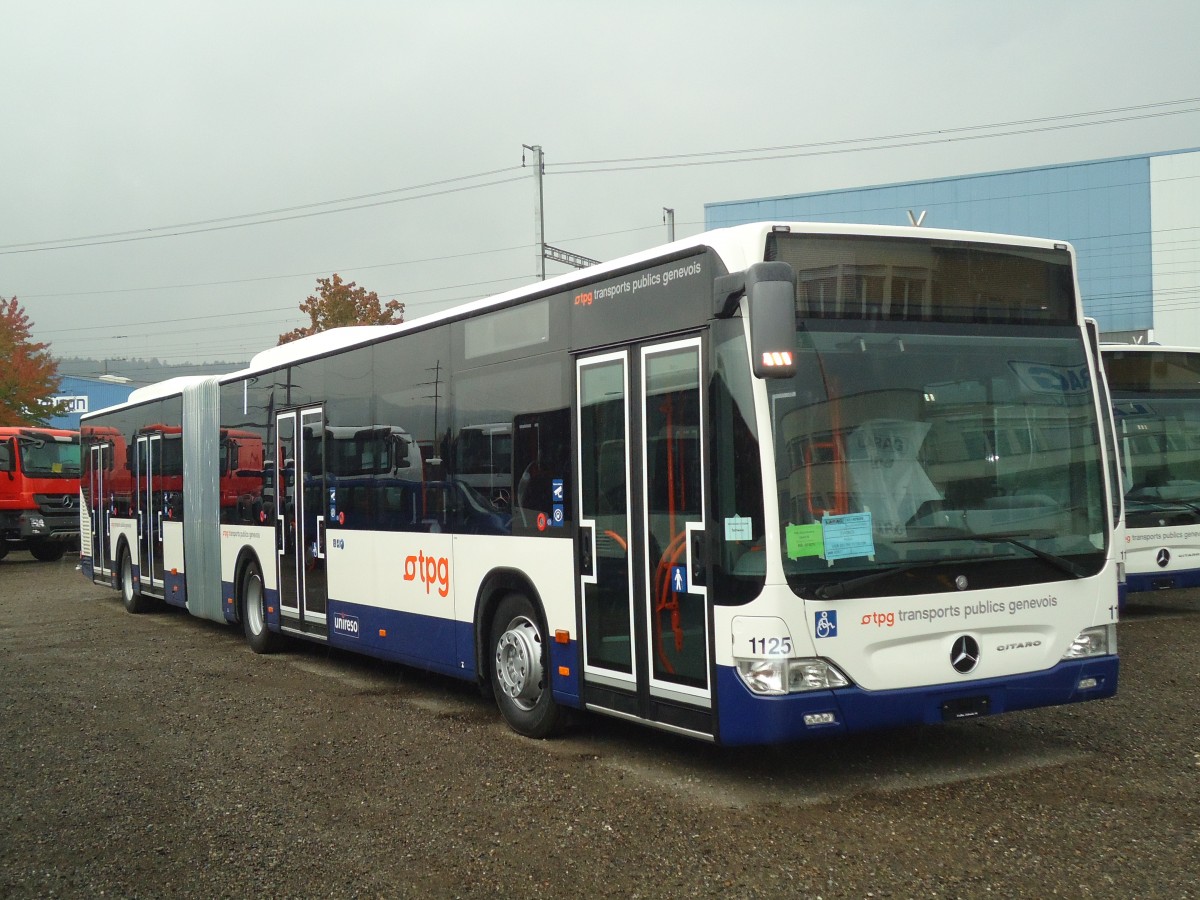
x=175 y=176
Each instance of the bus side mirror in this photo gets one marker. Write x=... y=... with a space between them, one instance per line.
x=6 y=457
x=771 y=297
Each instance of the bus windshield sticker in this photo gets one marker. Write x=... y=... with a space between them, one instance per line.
x=805 y=540
x=847 y=535
x=739 y=528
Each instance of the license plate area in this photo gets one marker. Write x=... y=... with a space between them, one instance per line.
x=965 y=708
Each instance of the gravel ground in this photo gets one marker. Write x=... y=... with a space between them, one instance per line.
x=155 y=755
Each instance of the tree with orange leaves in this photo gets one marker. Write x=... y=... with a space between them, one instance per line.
x=28 y=373
x=337 y=304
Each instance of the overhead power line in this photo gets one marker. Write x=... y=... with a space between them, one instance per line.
x=853 y=145
x=228 y=222
x=752 y=154
x=291 y=310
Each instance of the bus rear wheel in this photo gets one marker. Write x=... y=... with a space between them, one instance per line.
x=519 y=669
x=133 y=599
x=254 y=611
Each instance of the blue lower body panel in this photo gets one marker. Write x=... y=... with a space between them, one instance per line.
x=747 y=718
x=175 y=589
x=1161 y=581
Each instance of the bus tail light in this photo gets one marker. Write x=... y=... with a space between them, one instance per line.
x=1100 y=640
x=774 y=677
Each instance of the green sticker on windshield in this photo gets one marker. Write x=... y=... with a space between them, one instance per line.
x=805 y=540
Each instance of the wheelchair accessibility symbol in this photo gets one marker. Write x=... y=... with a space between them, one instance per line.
x=826 y=623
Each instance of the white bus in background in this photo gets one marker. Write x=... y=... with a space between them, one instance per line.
x=766 y=483
x=1156 y=402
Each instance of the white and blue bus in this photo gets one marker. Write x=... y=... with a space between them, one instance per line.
x=766 y=483
x=1156 y=401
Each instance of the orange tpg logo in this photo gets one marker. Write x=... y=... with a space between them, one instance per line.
x=429 y=570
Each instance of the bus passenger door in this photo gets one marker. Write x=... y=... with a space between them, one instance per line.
x=99 y=508
x=150 y=511
x=300 y=519
x=641 y=482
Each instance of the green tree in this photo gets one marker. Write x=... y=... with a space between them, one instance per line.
x=28 y=373
x=337 y=304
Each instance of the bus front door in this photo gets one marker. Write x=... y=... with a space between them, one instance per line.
x=150 y=512
x=641 y=500
x=99 y=507
x=300 y=519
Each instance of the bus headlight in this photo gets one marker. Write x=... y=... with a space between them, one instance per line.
x=789 y=676
x=1098 y=641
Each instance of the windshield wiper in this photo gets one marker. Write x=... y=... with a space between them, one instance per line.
x=1143 y=504
x=1059 y=562
x=836 y=589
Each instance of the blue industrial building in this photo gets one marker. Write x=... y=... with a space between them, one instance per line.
x=1134 y=222
x=83 y=395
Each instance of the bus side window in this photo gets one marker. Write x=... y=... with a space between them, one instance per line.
x=541 y=457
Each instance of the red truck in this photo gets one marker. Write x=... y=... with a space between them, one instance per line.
x=39 y=491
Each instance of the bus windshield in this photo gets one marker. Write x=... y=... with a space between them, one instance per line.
x=900 y=448
x=1156 y=399
x=1160 y=443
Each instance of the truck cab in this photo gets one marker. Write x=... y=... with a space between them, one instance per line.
x=39 y=491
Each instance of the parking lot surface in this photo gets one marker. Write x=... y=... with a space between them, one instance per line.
x=156 y=755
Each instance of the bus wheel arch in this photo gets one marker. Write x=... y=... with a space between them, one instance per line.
x=513 y=654
x=251 y=601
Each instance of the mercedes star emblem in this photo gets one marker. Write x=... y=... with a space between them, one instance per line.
x=964 y=655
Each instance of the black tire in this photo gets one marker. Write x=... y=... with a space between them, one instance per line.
x=134 y=601
x=3 y=549
x=252 y=606
x=519 y=662
x=47 y=551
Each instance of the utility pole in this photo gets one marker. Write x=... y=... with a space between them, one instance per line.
x=539 y=221
x=669 y=218
x=544 y=251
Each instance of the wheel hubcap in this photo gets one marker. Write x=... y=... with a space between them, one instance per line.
x=519 y=663
x=254 y=605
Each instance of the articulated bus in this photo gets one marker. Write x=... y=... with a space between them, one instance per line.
x=1156 y=401
x=767 y=483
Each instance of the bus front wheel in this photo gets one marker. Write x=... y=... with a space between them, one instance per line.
x=519 y=669
x=254 y=611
